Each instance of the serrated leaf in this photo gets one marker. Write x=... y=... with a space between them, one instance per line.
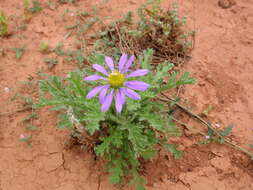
x=138 y=181
x=162 y=71
x=172 y=83
x=155 y=121
x=64 y=122
x=207 y=110
x=117 y=173
x=227 y=130
x=146 y=58
x=186 y=79
x=112 y=141
x=148 y=154
x=97 y=59
x=137 y=138
x=173 y=149
x=132 y=105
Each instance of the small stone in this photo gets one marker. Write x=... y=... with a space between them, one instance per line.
x=22 y=136
x=7 y=90
x=207 y=137
x=217 y=125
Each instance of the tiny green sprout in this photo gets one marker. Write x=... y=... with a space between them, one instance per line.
x=43 y=47
x=31 y=127
x=31 y=116
x=36 y=7
x=29 y=10
x=3 y=24
x=26 y=4
x=19 y=52
x=207 y=110
x=51 y=62
x=67 y=1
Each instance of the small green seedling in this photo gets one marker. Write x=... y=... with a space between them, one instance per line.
x=212 y=137
x=19 y=52
x=66 y=1
x=207 y=110
x=31 y=127
x=29 y=10
x=3 y=24
x=31 y=116
x=43 y=47
x=36 y=7
x=51 y=62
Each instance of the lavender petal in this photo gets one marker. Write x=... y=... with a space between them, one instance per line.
x=131 y=94
x=94 y=92
x=94 y=77
x=123 y=95
x=122 y=61
x=128 y=64
x=100 y=69
x=107 y=102
x=137 y=85
x=118 y=101
x=102 y=94
x=138 y=73
x=109 y=62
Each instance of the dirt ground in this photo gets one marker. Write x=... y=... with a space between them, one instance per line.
x=222 y=61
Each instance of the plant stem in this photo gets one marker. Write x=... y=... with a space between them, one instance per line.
x=209 y=126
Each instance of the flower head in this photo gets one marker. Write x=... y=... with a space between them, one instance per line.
x=118 y=84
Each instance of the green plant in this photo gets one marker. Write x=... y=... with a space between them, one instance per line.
x=156 y=28
x=29 y=10
x=124 y=139
x=36 y=7
x=3 y=24
x=51 y=62
x=43 y=47
x=19 y=52
x=67 y=1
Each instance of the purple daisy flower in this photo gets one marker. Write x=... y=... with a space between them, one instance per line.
x=118 y=84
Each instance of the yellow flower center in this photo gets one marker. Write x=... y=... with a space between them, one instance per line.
x=116 y=79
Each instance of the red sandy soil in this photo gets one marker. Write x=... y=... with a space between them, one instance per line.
x=222 y=61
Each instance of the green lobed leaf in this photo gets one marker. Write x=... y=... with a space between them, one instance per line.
x=162 y=71
x=137 y=138
x=186 y=79
x=112 y=141
x=155 y=120
x=173 y=149
x=146 y=58
x=117 y=172
x=64 y=122
x=227 y=130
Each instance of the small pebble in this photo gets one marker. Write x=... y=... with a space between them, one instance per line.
x=7 y=90
x=217 y=125
x=22 y=136
x=207 y=137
